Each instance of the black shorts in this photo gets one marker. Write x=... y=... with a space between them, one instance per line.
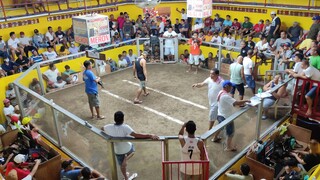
x=239 y=87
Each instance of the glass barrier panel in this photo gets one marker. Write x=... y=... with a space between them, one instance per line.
x=87 y=146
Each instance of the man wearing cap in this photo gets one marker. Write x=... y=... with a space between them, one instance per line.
x=124 y=150
x=283 y=57
x=225 y=109
x=140 y=72
x=13 y=173
x=3 y=49
x=23 y=61
x=26 y=43
x=275 y=26
x=68 y=171
x=8 y=111
x=91 y=89
x=214 y=83
x=295 y=32
x=312 y=33
x=10 y=67
x=18 y=160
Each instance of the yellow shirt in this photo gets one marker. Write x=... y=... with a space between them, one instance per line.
x=208 y=38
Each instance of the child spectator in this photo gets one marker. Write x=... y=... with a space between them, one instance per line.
x=59 y=83
x=122 y=62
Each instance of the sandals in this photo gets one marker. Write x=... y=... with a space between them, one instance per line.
x=231 y=149
x=137 y=102
x=101 y=117
x=146 y=94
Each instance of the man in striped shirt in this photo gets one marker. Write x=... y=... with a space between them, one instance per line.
x=36 y=58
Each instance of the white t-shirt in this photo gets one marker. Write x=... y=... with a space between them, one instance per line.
x=123 y=130
x=201 y=57
x=312 y=73
x=52 y=75
x=49 y=35
x=112 y=32
x=184 y=16
x=169 y=41
x=261 y=46
x=213 y=90
x=123 y=63
x=13 y=43
x=132 y=58
x=29 y=177
x=225 y=105
x=10 y=93
x=8 y=111
x=50 y=55
x=247 y=65
x=60 y=85
x=217 y=40
x=229 y=41
x=161 y=26
x=25 y=40
x=297 y=69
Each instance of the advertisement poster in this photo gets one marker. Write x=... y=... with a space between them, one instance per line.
x=199 y=8
x=91 y=29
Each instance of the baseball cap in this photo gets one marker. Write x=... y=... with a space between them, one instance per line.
x=14 y=119
x=227 y=83
x=6 y=101
x=273 y=13
x=26 y=120
x=316 y=18
x=66 y=164
x=287 y=44
x=20 y=158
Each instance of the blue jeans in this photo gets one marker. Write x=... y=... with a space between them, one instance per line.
x=40 y=45
x=4 y=54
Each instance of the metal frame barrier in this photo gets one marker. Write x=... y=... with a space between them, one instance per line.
x=60 y=118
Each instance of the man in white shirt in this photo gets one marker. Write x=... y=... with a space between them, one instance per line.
x=14 y=45
x=50 y=54
x=225 y=109
x=51 y=38
x=132 y=56
x=309 y=72
x=3 y=49
x=216 y=38
x=124 y=150
x=237 y=77
x=161 y=25
x=122 y=62
x=183 y=14
x=51 y=75
x=169 y=43
x=262 y=48
x=229 y=41
x=26 y=44
x=214 y=83
x=8 y=111
x=113 y=30
x=248 y=71
x=296 y=70
x=11 y=95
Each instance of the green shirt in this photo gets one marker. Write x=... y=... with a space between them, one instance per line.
x=247 y=25
x=235 y=72
x=69 y=72
x=315 y=61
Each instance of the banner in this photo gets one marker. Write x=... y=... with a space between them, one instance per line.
x=199 y=8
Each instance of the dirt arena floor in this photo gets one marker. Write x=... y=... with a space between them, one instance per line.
x=171 y=102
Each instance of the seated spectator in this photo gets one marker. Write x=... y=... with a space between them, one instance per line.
x=14 y=45
x=124 y=56
x=26 y=44
x=269 y=101
x=250 y=43
x=184 y=28
x=201 y=58
x=38 y=39
x=266 y=28
x=314 y=44
x=116 y=39
x=261 y=50
x=2 y=72
x=216 y=38
x=289 y=173
x=295 y=32
x=50 y=54
x=122 y=62
x=59 y=83
x=70 y=35
x=3 y=49
x=228 y=59
x=132 y=56
x=66 y=75
x=11 y=95
x=36 y=58
x=283 y=57
x=227 y=23
x=73 y=49
x=13 y=174
x=17 y=165
x=113 y=64
x=309 y=159
x=217 y=24
x=257 y=29
x=207 y=24
x=280 y=41
x=62 y=39
x=10 y=67
x=312 y=33
x=51 y=75
x=88 y=174
x=315 y=58
x=51 y=38
x=208 y=36
x=113 y=30
x=9 y=111
x=235 y=27
x=229 y=41
x=23 y=61
x=14 y=123
x=312 y=73
x=201 y=36
x=244 y=173
x=246 y=27
x=69 y=171
x=63 y=52
x=35 y=86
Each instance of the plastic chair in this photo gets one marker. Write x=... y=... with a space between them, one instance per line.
x=312 y=169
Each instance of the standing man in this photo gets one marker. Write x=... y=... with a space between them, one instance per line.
x=275 y=26
x=169 y=43
x=248 y=71
x=192 y=149
x=194 y=43
x=237 y=77
x=140 y=71
x=225 y=109
x=214 y=83
x=124 y=150
x=91 y=81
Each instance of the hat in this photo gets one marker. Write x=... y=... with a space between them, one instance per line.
x=14 y=119
x=287 y=44
x=6 y=101
x=26 y=120
x=316 y=18
x=227 y=83
x=66 y=164
x=20 y=158
x=273 y=13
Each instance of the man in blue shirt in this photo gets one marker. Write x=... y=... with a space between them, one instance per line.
x=91 y=86
x=68 y=171
x=10 y=67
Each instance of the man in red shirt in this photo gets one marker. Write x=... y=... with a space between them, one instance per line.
x=17 y=164
x=236 y=26
x=194 y=43
x=257 y=28
x=207 y=24
x=121 y=21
